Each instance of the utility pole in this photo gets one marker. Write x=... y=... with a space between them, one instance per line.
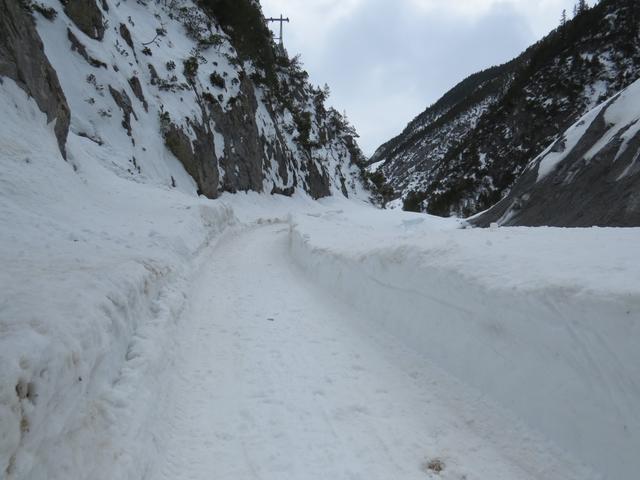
x=281 y=20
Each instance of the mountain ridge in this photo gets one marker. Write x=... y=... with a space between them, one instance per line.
x=470 y=163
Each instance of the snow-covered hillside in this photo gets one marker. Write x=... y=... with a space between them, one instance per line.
x=469 y=159
x=408 y=160
x=171 y=82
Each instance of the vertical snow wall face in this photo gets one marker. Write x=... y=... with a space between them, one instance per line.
x=564 y=361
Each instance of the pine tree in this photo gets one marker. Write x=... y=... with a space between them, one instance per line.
x=583 y=6
x=563 y=25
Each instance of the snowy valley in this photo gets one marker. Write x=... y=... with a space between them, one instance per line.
x=196 y=282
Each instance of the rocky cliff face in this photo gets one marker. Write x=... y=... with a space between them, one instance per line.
x=201 y=84
x=589 y=176
x=22 y=59
x=504 y=117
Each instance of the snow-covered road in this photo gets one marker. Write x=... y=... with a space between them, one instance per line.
x=273 y=378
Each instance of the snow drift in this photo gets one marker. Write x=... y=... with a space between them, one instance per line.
x=525 y=316
x=94 y=273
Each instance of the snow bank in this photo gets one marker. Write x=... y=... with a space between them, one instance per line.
x=544 y=321
x=95 y=269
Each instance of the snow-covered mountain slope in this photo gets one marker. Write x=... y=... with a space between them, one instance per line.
x=174 y=82
x=408 y=159
x=589 y=176
x=547 y=89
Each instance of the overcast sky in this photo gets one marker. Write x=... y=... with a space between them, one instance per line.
x=387 y=60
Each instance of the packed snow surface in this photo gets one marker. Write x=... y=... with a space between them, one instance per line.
x=146 y=333
x=277 y=379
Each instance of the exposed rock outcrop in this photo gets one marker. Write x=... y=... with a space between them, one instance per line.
x=124 y=102
x=23 y=60
x=126 y=35
x=317 y=181
x=77 y=46
x=197 y=156
x=588 y=177
x=243 y=153
x=87 y=16
x=136 y=87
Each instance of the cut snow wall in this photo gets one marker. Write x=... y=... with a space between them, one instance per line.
x=565 y=363
x=92 y=370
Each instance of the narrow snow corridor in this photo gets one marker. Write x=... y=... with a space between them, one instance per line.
x=272 y=378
